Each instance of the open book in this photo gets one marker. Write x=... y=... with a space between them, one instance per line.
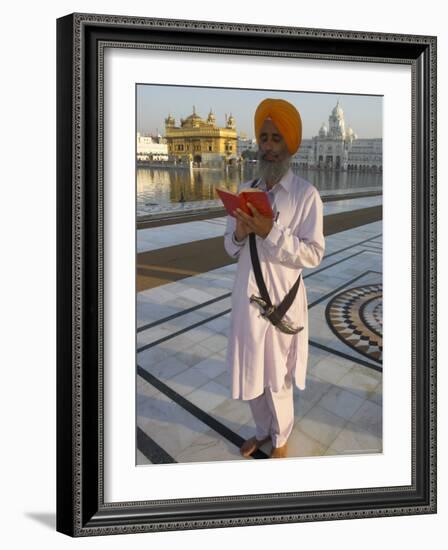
x=256 y=197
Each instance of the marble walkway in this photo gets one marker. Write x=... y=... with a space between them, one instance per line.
x=184 y=412
x=155 y=238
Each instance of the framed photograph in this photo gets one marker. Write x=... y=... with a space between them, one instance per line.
x=167 y=339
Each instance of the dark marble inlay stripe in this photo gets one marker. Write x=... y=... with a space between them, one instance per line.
x=352 y=246
x=346 y=356
x=183 y=312
x=153 y=452
x=208 y=319
x=325 y=296
x=373 y=247
x=181 y=331
x=211 y=422
x=227 y=295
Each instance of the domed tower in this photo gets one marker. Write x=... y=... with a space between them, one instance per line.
x=231 y=122
x=350 y=134
x=323 y=132
x=170 y=122
x=336 y=122
x=192 y=121
x=211 y=119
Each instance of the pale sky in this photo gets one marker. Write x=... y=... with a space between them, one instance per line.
x=154 y=102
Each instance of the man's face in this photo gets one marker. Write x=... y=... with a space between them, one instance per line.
x=273 y=153
x=272 y=146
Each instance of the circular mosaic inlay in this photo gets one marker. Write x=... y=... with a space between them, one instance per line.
x=356 y=317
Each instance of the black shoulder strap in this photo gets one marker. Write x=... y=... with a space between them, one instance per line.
x=257 y=269
x=286 y=303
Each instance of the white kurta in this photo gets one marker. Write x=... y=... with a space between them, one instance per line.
x=258 y=354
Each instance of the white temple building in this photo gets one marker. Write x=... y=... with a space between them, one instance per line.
x=151 y=147
x=337 y=147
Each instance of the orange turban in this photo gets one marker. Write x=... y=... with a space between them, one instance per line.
x=285 y=116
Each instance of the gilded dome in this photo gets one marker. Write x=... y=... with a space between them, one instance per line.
x=170 y=121
x=193 y=120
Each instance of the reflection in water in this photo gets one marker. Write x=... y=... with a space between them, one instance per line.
x=159 y=186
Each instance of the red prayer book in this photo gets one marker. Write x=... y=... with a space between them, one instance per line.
x=256 y=197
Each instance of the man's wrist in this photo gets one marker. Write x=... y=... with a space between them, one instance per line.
x=236 y=240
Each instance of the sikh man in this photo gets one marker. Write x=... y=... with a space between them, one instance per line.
x=267 y=348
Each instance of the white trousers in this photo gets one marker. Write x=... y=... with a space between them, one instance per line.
x=273 y=414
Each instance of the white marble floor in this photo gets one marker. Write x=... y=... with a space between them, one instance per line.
x=184 y=410
x=154 y=238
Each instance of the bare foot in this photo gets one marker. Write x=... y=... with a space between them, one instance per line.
x=251 y=445
x=280 y=452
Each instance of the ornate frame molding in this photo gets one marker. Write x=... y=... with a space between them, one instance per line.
x=81 y=510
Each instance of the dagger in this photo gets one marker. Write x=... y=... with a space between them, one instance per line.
x=283 y=326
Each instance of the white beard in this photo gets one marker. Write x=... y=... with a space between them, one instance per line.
x=271 y=171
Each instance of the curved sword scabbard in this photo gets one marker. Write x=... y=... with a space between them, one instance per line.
x=287 y=328
x=283 y=326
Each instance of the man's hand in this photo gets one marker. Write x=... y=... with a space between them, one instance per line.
x=258 y=224
x=241 y=230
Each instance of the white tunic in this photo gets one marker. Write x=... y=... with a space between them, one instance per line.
x=258 y=354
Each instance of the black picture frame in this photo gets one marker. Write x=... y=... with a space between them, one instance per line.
x=81 y=509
